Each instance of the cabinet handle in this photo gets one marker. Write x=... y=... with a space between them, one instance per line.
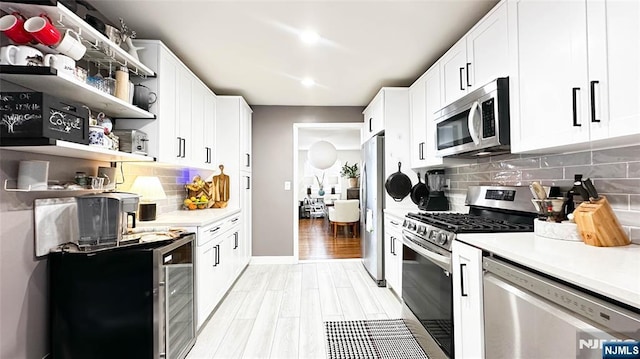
x=370 y=124
x=179 y=147
x=593 y=101
x=462 y=269
x=248 y=160
x=421 y=151
x=394 y=223
x=393 y=247
x=468 y=83
x=217 y=254
x=235 y=245
x=234 y=220
x=461 y=83
x=248 y=182
x=184 y=147
x=574 y=95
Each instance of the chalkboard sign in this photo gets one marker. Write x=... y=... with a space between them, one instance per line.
x=37 y=118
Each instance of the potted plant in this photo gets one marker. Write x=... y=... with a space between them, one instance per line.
x=352 y=173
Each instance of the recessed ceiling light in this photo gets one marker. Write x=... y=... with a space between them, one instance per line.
x=308 y=82
x=309 y=37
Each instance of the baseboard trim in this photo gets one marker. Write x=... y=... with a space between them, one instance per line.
x=272 y=260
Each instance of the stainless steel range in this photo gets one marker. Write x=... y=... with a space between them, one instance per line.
x=427 y=237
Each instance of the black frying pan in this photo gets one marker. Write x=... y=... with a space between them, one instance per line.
x=398 y=185
x=419 y=190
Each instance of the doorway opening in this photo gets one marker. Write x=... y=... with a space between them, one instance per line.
x=316 y=191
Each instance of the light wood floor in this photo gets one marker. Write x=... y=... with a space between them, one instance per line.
x=277 y=311
x=316 y=241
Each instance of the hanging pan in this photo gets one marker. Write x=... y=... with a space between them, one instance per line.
x=398 y=185
x=419 y=190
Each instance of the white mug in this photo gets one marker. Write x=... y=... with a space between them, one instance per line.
x=62 y=63
x=4 y=55
x=71 y=45
x=21 y=55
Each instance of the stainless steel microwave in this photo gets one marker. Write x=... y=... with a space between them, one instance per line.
x=477 y=124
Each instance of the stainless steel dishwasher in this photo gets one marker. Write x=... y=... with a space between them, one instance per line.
x=530 y=316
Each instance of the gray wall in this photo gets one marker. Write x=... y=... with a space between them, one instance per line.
x=272 y=149
x=23 y=278
x=615 y=173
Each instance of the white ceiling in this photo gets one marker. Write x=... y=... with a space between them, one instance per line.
x=252 y=48
x=341 y=138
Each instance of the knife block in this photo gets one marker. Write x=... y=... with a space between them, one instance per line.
x=598 y=225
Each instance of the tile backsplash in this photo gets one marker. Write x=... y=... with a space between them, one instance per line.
x=615 y=173
x=172 y=179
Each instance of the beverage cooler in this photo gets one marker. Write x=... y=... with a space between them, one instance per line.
x=123 y=302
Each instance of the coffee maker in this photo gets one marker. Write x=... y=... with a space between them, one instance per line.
x=103 y=218
x=436 y=199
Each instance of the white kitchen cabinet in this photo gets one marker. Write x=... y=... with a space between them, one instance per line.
x=393 y=252
x=202 y=124
x=374 y=117
x=488 y=49
x=209 y=274
x=477 y=58
x=548 y=53
x=245 y=137
x=393 y=104
x=231 y=113
x=468 y=315
x=454 y=63
x=613 y=34
x=418 y=122
x=219 y=261
x=247 y=207
x=185 y=111
x=571 y=63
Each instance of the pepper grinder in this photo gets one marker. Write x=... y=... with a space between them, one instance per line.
x=122 y=83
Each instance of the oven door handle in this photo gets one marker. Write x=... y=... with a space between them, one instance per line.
x=438 y=259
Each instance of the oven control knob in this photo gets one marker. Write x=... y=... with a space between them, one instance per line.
x=411 y=226
x=405 y=223
x=442 y=239
x=433 y=234
x=422 y=230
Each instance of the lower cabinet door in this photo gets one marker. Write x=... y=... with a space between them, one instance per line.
x=468 y=322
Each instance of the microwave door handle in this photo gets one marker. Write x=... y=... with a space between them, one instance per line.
x=472 y=120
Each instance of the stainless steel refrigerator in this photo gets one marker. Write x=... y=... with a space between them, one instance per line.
x=372 y=204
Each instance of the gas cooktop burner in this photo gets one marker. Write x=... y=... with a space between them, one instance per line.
x=467 y=223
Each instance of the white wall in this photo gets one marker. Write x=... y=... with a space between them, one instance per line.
x=351 y=156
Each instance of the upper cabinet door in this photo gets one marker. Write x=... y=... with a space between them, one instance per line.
x=245 y=137
x=417 y=113
x=454 y=72
x=548 y=74
x=433 y=93
x=488 y=49
x=374 y=117
x=614 y=67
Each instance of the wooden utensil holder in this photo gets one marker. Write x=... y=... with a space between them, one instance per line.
x=598 y=225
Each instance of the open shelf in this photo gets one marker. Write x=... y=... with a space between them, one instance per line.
x=49 y=80
x=95 y=41
x=11 y=185
x=75 y=150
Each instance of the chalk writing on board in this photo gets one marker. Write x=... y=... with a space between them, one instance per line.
x=62 y=123
x=11 y=120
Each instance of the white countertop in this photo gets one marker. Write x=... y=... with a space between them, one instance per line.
x=611 y=271
x=193 y=218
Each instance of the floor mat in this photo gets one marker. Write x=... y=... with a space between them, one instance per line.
x=389 y=338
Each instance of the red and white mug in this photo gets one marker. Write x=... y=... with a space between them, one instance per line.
x=41 y=28
x=13 y=27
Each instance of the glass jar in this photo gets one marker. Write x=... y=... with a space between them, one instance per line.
x=81 y=178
